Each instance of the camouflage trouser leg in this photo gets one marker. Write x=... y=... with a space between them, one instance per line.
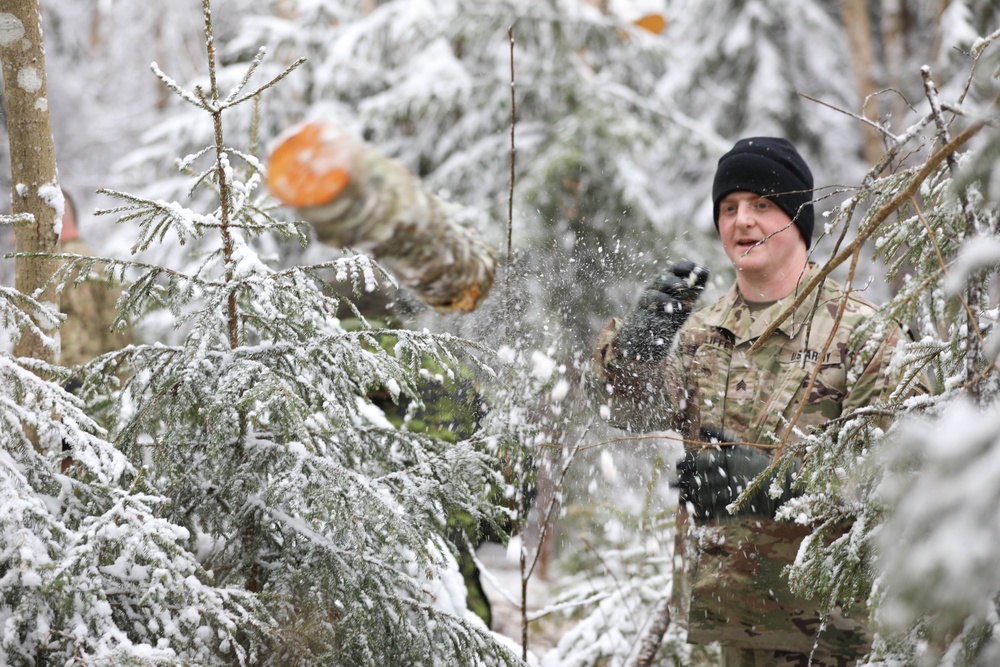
x=740 y=657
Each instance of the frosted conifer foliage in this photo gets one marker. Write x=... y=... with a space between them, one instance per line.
x=288 y=483
x=912 y=474
x=89 y=569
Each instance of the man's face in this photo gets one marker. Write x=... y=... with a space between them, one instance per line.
x=758 y=237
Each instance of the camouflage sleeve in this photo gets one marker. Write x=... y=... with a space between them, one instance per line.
x=78 y=342
x=633 y=395
x=90 y=311
x=355 y=197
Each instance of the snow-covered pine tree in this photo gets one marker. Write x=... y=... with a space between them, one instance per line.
x=915 y=477
x=90 y=569
x=430 y=83
x=257 y=426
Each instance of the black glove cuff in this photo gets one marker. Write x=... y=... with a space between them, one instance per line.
x=711 y=479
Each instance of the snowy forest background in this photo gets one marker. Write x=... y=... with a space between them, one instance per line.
x=238 y=497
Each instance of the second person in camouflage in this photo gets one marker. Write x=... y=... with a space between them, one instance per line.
x=734 y=407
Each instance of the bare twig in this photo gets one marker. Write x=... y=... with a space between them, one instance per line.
x=524 y=605
x=841 y=307
x=976 y=53
x=508 y=320
x=510 y=197
x=879 y=127
x=553 y=503
x=260 y=89
x=790 y=429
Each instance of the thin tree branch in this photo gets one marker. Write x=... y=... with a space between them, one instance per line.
x=510 y=197
x=550 y=510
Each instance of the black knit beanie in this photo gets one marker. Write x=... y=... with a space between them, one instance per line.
x=772 y=168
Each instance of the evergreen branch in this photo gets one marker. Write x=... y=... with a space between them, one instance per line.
x=160 y=371
x=184 y=164
x=973 y=337
x=828 y=543
x=252 y=212
x=467 y=649
x=15 y=307
x=144 y=210
x=971 y=319
x=288 y=70
x=249 y=159
x=172 y=86
x=254 y=64
x=314 y=270
x=361 y=494
x=200 y=178
x=18 y=219
x=32 y=392
x=154 y=270
x=156 y=217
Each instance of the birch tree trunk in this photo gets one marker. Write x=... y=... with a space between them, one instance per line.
x=32 y=158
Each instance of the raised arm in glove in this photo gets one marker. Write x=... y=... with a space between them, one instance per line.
x=648 y=332
x=631 y=369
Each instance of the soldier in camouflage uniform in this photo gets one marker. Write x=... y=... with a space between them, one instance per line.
x=452 y=411
x=733 y=407
x=353 y=196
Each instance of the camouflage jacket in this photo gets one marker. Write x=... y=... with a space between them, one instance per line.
x=729 y=581
x=90 y=309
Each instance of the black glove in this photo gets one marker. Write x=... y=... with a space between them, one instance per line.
x=663 y=307
x=714 y=477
